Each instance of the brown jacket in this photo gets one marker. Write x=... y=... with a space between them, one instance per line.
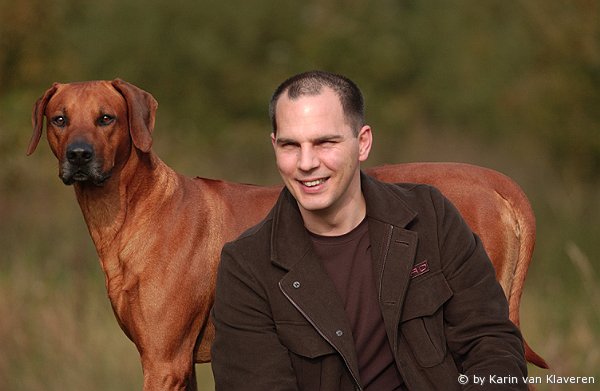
x=280 y=325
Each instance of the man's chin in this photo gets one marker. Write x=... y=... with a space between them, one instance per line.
x=311 y=204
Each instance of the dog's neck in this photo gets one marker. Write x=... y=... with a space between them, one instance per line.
x=106 y=208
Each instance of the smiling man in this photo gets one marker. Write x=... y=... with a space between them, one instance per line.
x=350 y=283
x=318 y=155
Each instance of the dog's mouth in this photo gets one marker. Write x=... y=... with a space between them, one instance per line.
x=89 y=173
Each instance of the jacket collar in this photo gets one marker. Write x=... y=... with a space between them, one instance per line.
x=385 y=203
x=290 y=241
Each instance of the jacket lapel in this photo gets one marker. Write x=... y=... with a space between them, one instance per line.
x=393 y=249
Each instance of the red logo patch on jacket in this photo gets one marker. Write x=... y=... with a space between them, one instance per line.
x=419 y=269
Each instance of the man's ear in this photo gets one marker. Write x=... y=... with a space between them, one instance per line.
x=273 y=140
x=365 y=142
x=141 y=112
x=37 y=117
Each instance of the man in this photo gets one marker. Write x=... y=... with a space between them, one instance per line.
x=324 y=295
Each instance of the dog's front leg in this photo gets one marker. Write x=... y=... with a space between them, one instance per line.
x=163 y=328
x=176 y=375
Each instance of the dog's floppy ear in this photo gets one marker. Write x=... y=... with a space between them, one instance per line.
x=37 y=117
x=141 y=108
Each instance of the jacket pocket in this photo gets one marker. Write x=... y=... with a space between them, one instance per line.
x=422 y=319
x=303 y=340
x=316 y=363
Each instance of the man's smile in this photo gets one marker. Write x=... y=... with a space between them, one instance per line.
x=314 y=182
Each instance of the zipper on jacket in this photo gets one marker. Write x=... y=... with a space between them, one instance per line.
x=356 y=382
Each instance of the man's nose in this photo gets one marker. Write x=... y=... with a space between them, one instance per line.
x=308 y=159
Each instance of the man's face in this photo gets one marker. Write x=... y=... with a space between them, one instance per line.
x=318 y=155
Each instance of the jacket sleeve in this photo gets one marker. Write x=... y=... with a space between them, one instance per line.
x=480 y=335
x=246 y=353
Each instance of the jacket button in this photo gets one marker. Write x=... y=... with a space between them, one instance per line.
x=339 y=333
x=296 y=284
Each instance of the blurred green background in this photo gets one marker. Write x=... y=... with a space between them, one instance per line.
x=513 y=86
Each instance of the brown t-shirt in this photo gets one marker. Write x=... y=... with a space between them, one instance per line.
x=348 y=262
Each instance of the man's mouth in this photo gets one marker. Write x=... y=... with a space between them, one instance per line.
x=313 y=183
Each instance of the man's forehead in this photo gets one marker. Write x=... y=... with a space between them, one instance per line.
x=306 y=103
x=322 y=91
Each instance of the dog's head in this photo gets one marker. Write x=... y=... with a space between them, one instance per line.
x=92 y=125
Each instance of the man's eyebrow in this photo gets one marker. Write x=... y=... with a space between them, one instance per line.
x=328 y=137
x=320 y=139
x=283 y=140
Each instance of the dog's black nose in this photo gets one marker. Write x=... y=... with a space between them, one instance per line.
x=80 y=153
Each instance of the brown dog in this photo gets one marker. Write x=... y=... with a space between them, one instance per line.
x=159 y=234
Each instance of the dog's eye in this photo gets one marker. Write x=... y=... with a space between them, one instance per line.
x=105 y=120
x=59 y=121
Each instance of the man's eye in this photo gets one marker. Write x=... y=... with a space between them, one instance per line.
x=326 y=143
x=105 y=120
x=59 y=121
x=287 y=145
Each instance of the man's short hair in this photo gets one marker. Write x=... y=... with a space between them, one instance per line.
x=312 y=83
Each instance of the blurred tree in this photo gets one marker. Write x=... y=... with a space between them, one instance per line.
x=525 y=71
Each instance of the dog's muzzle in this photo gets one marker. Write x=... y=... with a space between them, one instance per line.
x=82 y=165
